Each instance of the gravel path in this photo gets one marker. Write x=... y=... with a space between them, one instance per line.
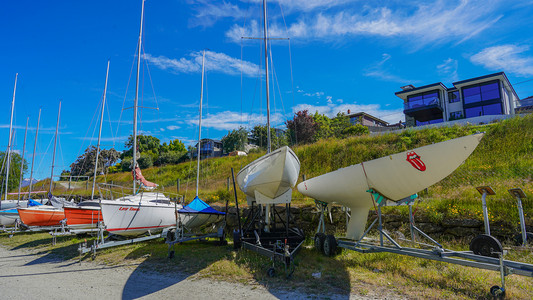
x=24 y=275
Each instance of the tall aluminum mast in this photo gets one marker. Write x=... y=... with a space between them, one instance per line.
x=22 y=160
x=136 y=101
x=200 y=126
x=55 y=145
x=10 y=136
x=33 y=156
x=269 y=147
x=100 y=131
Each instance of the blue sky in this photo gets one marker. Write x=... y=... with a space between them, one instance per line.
x=342 y=55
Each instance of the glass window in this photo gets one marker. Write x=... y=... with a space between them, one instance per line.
x=493 y=109
x=490 y=91
x=474 y=112
x=453 y=96
x=424 y=99
x=472 y=94
x=456 y=115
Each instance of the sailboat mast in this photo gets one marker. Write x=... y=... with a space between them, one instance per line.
x=135 y=105
x=10 y=135
x=100 y=131
x=269 y=147
x=55 y=145
x=22 y=160
x=200 y=126
x=33 y=156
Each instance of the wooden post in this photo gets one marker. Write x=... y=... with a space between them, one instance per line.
x=227 y=183
x=303 y=177
x=178 y=186
x=87 y=183
x=69 y=181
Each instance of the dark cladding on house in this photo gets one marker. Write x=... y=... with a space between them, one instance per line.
x=209 y=148
x=489 y=95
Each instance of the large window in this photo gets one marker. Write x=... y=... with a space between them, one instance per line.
x=491 y=109
x=453 y=96
x=423 y=99
x=481 y=92
x=456 y=115
x=420 y=123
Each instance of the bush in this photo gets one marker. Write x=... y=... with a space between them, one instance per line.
x=145 y=161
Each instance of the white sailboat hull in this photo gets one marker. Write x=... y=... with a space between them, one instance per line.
x=8 y=218
x=395 y=176
x=193 y=221
x=132 y=216
x=272 y=175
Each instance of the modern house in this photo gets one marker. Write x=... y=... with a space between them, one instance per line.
x=209 y=148
x=525 y=105
x=480 y=98
x=366 y=120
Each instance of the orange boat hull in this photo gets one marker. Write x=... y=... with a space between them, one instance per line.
x=83 y=217
x=41 y=217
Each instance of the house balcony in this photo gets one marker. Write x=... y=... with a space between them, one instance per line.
x=424 y=109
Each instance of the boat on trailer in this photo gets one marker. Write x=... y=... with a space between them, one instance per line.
x=395 y=176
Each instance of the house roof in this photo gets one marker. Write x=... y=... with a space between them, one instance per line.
x=367 y=115
x=425 y=88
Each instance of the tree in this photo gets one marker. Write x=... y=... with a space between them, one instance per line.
x=144 y=143
x=235 y=140
x=84 y=164
x=259 y=136
x=356 y=129
x=14 y=170
x=338 y=124
x=302 y=128
x=323 y=130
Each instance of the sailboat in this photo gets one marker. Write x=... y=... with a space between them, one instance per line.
x=395 y=177
x=88 y=213
x=198 y=213
x=141 y=212
x=269 y=179
x=46 y=215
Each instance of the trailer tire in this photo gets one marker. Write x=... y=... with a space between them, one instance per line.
x=497 y=292
x=319 y=241
x=271 y=272
x=237 y=243
x=486 y=245
x=330 y=245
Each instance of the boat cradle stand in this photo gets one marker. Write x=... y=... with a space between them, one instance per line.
x=483 y=258
x=180 y=235
x=101 y=243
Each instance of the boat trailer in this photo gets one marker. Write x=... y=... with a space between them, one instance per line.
x=485 y=252
x=101 y=243
x=278 y=243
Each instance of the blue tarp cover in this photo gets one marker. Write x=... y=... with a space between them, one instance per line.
x=197 y=206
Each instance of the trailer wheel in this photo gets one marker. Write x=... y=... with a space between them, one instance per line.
x=497 y=292
x=518 y=238
x=319 y=241
x=271 y=272
x=486 y=245
x=237 y=239
x=330 y=245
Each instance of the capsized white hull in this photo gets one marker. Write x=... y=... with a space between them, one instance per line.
x=395 y=176
x=137 y=215
x=8 y=217
x=271 y=175
x=196 y=220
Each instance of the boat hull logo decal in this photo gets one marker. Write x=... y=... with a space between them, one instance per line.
x=416 y=161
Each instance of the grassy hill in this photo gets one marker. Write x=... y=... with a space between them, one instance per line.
x=503 y=160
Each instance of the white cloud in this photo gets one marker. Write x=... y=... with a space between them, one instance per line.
x=509 y=58
x=448 y=68
x=331 y=110
x=214 y=62
x=173 y=127
x=228 y=120
x=424 y=22
x=314 y=94
x=380 y=70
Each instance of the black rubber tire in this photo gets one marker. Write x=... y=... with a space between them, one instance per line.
x=237 y=240
x=319 y=242
x=518 y=238
x=171 y=254
x=486 y=245
x=271 y=272
x=330 y=245
x=497 y=292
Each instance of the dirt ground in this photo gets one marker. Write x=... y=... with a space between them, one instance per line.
x=27 y=275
